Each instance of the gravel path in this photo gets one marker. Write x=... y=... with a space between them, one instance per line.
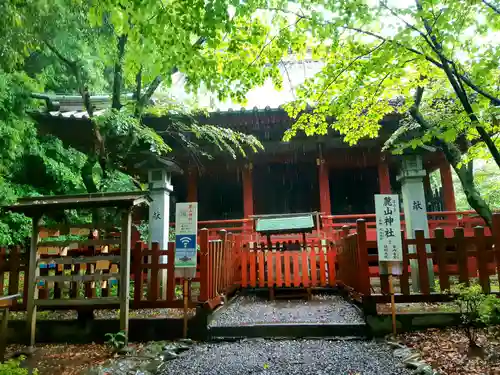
x=258 y=356
x=322 y=309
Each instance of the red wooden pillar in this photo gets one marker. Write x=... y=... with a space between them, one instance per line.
x=247 y=191
x=192 y=185
x=247 y=181
x=324 y=187
x=447 y=182
x=384 y=180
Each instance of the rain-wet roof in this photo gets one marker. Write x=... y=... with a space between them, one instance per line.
x=36 y=205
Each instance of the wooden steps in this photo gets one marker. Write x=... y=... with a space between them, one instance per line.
x=290 y=293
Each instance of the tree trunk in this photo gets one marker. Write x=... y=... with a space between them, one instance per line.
x=473 y=196
x=118 y=73
x=454 y=157
x=88 y=180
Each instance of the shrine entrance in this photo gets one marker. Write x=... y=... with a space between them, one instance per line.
x=291 y=261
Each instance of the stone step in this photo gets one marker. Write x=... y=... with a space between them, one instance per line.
x=290 y=330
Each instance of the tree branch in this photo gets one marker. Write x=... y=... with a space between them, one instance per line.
x=432 y=60
x=118 y=75
x=409 y=25
x=459 y=91
x=143 y=100
x=492 y=7
x=454 y=157
x=289 y=79
x=347 y=67
x=138 y=84
x=271 y=41
x=69 y=63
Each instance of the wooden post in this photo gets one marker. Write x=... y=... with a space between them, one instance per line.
x=185 y=293
x=404 y=279
x=444 y=281
x=204 y=274
x=462 y=257
x=4 y=332
x=422 y=262
x=362 y=256
x=32 y=274
x=138 y=281
x=496 y=241
x=324 y=186
x=247 y=191
x=393 y=302
x=154 y=284
x=171 y=272
x=448 y=192
x=125 y=270
x=482 y=259
x=248 y=204
x=384 y=180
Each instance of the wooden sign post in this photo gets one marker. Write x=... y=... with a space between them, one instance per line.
x=186 y=286
x=389 y=243
x=186 y=244
x=393 y=302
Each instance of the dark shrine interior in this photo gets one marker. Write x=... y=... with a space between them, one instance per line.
x=287 y=187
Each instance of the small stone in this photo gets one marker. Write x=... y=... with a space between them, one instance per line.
x=424 y=369
x=412 y=357
x=396 y=345
x=412 y=364
x=154 y=366
x=125 y=350
x=254 y=339
x=181 y=348
x=169 y=347
x=186 y=341
x=26 y=352
x=168 y=355
x=402 y=353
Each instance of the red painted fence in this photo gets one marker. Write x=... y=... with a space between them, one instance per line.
x=280 y=266
x=456 y=259
x=94 y=275
x=219 y=266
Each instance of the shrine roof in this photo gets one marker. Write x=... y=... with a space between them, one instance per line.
x=36 y=205
x=72 y=107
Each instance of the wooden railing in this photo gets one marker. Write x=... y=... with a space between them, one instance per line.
x=219 y=266
x=288 y=264
x=456 y=259
x=13 y=268
x=447 y=220
x=214 y=227
x=154 y=280
x=90 y=275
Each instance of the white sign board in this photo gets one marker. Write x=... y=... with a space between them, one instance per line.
x=186 y=229
x=390 y=246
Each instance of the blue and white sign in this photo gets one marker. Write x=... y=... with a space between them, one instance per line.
x=186 y=229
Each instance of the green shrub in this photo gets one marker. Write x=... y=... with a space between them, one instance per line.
x=12 y=367
x=476 y=309
x=117 y=340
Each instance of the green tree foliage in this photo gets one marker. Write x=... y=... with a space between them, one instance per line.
x=129 y=46
x=487 y=179
x=434 y=63
x=13 y=367
x=88 y=47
